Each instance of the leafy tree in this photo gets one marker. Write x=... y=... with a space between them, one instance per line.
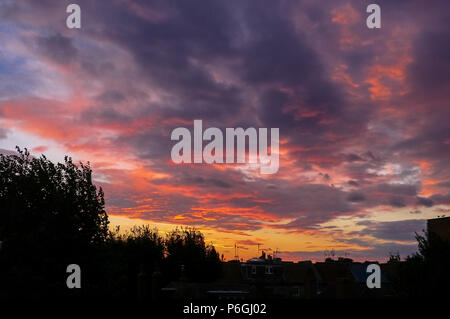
x=139 y=250
x=142 y=250
x=426 y=273
x=186 y=247
x=394 y=257
x=51 y=215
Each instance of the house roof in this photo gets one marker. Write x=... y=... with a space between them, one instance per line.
x=231 y=273
x=300 y=272
x=359 y=272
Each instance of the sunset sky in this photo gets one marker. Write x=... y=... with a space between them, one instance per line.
x=363 y=114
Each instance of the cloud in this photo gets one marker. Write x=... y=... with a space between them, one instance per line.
x=380 y=252
x=355 y=197
x=403 y=230
x=427 y=202
x=3 y=133
x=57 y=48
x=362 y=115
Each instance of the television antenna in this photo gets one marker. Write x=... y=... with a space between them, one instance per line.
x=258 y=244
x=275 y=253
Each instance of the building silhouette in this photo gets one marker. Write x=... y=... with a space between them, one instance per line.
x=440 y=227
x=265 y=277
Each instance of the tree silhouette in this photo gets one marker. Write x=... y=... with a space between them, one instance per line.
x=186 y=246
x=51 y=215
x=426 y=273
x=139 y=250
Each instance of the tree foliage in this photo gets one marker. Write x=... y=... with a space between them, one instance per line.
x=52 y=215
x=426 y=273
x=185 y=247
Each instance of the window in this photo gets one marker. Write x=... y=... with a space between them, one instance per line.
x=253 y=269
x=269 y=270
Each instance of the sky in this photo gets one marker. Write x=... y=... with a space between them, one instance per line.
x=362 y=113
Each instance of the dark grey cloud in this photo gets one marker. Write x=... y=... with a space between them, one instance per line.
x=353 y=183
x=354 y=158
x=3 y=133
x=397 y=201
x=423 y=201
x=403 y=230
x=431 y=61
x=441 y=199
x=207 y=182
x=356 y=197
x=57 y=47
